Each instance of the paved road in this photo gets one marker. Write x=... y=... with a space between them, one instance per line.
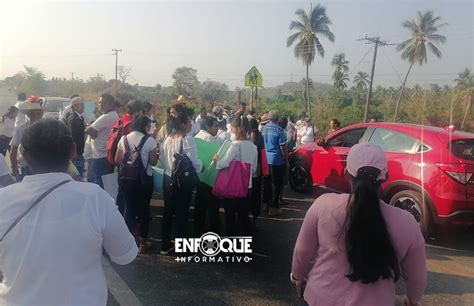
x=154 y=279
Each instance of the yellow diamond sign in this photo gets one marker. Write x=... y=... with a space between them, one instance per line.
x=253 y=78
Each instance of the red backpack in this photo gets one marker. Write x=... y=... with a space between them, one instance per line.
x=119 y=129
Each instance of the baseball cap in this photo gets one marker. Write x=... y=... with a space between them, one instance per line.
x=33 y=103
x=367 y=155
x=265 y=118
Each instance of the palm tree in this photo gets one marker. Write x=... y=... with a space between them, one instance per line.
x=340 y=76
x=423 y=34
x=464 y=91
x=361 y=80
x=309 y=28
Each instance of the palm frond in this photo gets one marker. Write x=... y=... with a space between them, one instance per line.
x=320 y=47
x=291 y=39
x=303 y=16
x=437 y=38
x=435 y=50
x=296 y=25
x=328 y=34
x=404 y=44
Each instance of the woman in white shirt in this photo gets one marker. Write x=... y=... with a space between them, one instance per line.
x=8 y=129
x=306 y=132
x=53 y=255
x=137 y=193
x=244 y=150
x=177 y=203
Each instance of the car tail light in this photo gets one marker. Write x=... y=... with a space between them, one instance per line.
x=460 y=172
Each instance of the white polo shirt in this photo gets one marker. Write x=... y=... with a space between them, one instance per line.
x=53 y=256
x=103 y=126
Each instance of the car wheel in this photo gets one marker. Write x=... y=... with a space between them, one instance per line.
x=412 y=201
x=299 y=176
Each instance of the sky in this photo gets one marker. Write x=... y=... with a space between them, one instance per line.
x=222 y=39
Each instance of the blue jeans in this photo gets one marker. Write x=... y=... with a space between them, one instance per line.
x=100 y=167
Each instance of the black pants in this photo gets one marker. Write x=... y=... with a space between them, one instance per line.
x=256 y=200
x=206 y=202
x=277 y=173
x=176 y=204
x=137 y=199
x=267 y=189
x=120 y=201
x=5 y=145
x=237 y=220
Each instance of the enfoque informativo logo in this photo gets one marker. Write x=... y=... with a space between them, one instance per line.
x=210 y=247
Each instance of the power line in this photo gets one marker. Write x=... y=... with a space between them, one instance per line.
x=378 y=42
x=395 y=70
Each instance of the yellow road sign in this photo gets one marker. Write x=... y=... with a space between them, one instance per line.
x=253 y=78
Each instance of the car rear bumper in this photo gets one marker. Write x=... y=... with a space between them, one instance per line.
x=464 y=216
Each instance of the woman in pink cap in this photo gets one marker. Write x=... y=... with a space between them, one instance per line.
x=360 y=245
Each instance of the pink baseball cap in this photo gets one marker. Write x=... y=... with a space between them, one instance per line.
x=367 y=155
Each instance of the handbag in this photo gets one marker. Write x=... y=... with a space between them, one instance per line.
x=265 y=167
x=39 y=199
x=233 y=182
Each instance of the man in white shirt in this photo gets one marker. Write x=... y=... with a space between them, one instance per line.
x=21 y=117
x=53 y=255
x=209 y=130
x=99 y=132
x=8 y=129
x=34 y=111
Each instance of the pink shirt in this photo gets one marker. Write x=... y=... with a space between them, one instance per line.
x=326 y=281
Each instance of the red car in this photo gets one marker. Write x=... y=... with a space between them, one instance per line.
x=431 y=170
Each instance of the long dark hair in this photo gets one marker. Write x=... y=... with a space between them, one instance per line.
x=369 y=248
x=242 y=123
x=184 y=115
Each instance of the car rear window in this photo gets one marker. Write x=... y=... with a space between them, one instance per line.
x=463 y=148
x=53 y=105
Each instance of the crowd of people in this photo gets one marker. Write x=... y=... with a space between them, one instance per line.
x=51 y=159
x=111 y=142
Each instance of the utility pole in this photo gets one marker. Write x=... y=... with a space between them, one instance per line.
x=378 y=42
x=72 y=75
x=116 y=69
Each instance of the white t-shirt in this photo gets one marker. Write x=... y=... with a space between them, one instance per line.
x=8 y=127
x=222 y=136
x=21 y=117
x=244 y=151
x=103 y=125
x=171 y=146
x=196 y=127
x=206 y=136
x=133 y=140
x=53 y=256
x=306 y=134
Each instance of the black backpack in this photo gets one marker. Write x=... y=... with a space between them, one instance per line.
x=183 y=175
x=132 y=170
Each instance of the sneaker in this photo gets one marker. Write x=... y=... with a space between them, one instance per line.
x=273 y=212
x=144 y=247
x=167 y=251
